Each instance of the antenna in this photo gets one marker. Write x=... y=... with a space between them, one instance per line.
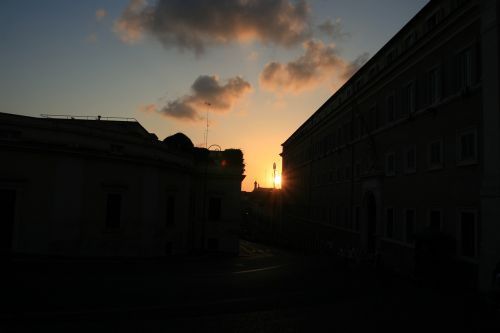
x=206 y=132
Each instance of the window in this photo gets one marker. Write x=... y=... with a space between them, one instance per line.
x=9 y=135
x=116 y=149
x=433 y=20
x=348 y=172
x=113 y=210
x=362 y=123
x=355 y=127
x=434 y=85
x=410 y=226
x=213 y=244
x=436 y=154
x=409 y=98
x=347 y=220
x=411 y=160
x=390 y=164
x=7 y=217
x=435 y=220
x=170 y=210
x=458 y=3
x=389 y=223
x=357 y=210
x=410 y=40
x=467 y=147
x=464 y=69
x=214 y=208
x=390 y=109
x=373 y=118
x=391 y=56
x=359 y=84
x=468 y=237
x=168 y=248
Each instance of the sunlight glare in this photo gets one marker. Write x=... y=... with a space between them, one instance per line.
x=277 y=181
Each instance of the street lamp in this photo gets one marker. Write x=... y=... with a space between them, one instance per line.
x=274 y=175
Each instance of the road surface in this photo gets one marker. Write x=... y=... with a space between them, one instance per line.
x=263 y=290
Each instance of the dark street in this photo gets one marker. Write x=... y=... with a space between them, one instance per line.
x=263 y=290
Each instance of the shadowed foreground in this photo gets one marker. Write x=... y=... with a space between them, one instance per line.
x=263 y=290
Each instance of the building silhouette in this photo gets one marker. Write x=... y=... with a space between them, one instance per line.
x=403 y=161
x=96 y=187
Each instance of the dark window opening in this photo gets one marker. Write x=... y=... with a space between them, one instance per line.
x=7 y=217
x=214 y=209
x=435 y=220
x=170 y=210
x=434 y=86
x=389 y=225
x=409 y=98
x=168 y=248
x=410 y=160
x=410 y=40
x=356 y=218
x=116 y=149
x=410 y=226
x=213 y=244
x=435 y=158
x=113 y=210
x=468 y=147
x=390 y=165
x=468 y=234
x=464 y=70
x=390 y=109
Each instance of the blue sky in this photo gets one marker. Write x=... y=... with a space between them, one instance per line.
x=65 y=57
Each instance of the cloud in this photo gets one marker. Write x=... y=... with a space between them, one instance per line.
x=148 y=108
x=91 y=38
x=318 y=64
x=253 y=56
x=333 y=29
x=193 y=25
x=221 y=97
x=355 y=65
x=100 y=14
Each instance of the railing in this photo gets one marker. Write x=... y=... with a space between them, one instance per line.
x=67 y=116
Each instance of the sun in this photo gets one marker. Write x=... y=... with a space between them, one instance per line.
x=277 y=181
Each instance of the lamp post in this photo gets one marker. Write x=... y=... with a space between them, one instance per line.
x=274 y=175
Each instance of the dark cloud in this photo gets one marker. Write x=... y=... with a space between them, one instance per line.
x=194 y=24
x=333 y=29
x=205 y=89
x=180 y=109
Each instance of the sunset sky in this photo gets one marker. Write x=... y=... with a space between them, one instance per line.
x=264 y=65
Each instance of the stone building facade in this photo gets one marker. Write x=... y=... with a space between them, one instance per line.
x=409 y=148
x=76 y=187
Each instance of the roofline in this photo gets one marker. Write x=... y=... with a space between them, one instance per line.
x=391 y=41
